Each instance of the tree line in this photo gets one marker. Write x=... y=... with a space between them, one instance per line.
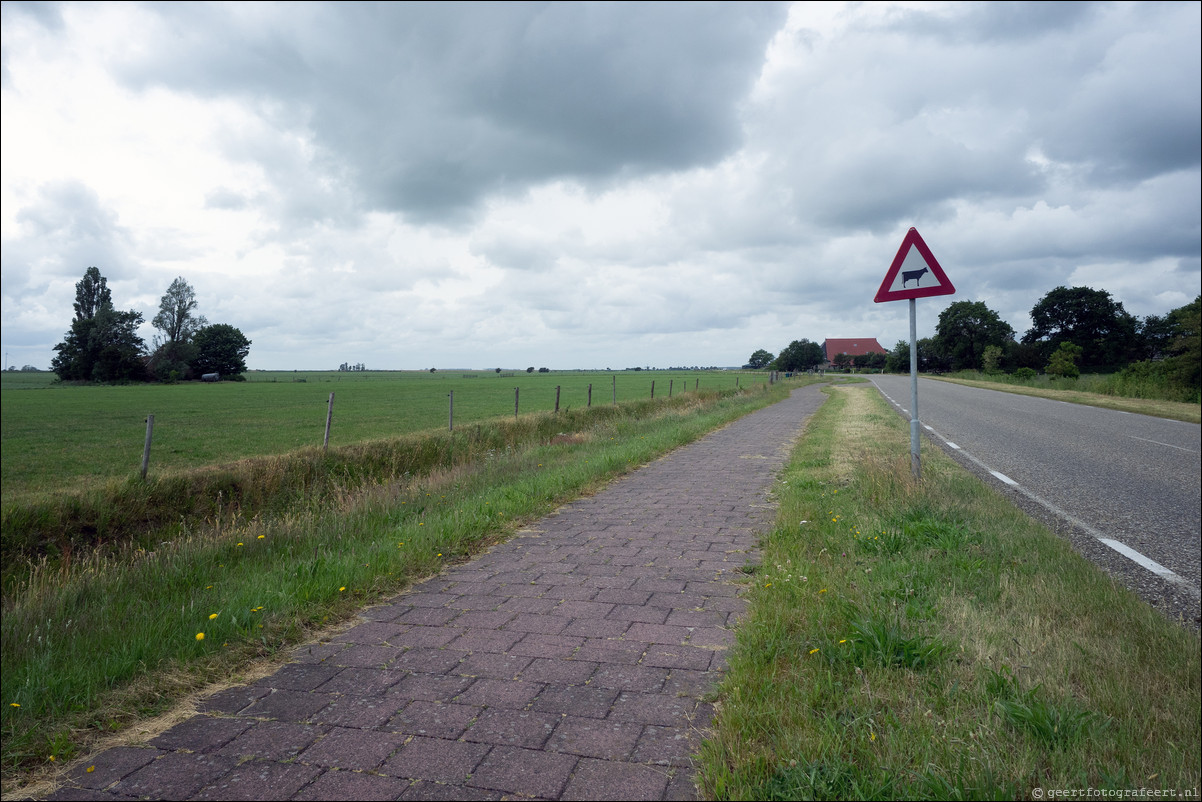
x=1073 y=329
x=103 y=344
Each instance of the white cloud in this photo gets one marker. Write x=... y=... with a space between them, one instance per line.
x=569 y=185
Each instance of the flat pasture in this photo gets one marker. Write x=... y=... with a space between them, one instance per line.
x=60 y=438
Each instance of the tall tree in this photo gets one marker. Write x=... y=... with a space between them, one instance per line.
x=760 y=359
x=91 y=294
x=1088 y=318
x=221 y=348
x=103 y=343
x=177 y=324
x=966 y=329
x=800 y=355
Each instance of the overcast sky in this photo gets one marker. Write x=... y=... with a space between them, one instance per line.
x=587 y=186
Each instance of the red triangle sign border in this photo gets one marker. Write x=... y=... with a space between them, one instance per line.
x=913 y=240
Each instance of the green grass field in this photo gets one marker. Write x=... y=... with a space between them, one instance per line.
x=68 y=438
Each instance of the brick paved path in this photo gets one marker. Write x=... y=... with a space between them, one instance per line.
x=569 y=663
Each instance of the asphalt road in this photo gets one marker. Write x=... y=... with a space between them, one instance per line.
x=1125 y=489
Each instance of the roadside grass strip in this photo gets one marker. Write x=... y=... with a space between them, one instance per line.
x=92 y=645
x=928 y=640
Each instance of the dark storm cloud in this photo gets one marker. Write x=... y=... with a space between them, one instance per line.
x=433 y=106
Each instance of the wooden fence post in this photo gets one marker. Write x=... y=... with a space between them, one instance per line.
x=590 y=394
x=653 y=389
x=325 y=446
x=557 y=399
x=615 y=389
x=670 y=383
x=515 y=402
x=146 y=448
x=451 y=412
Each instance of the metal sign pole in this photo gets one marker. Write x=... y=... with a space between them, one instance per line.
x=915 y=455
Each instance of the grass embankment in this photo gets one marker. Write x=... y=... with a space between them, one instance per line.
x=927 y=640
x=91 y=645
x=1094 y=391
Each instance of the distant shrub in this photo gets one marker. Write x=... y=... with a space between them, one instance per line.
x=1025 y=374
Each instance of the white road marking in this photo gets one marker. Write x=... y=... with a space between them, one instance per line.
x=1139 y=559
x=1157 y=442
x=1005 y=478
x=1146 y=562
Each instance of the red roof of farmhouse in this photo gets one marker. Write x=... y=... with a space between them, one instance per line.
x=856 y=346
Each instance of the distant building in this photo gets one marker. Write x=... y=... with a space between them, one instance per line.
x=856 y=346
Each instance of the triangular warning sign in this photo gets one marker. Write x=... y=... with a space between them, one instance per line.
x=914 y=273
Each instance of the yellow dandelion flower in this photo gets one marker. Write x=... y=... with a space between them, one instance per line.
x=91 y=769
x=239 y=544
x=212 y=616
x=843 y=641
x=262 y=536
x=822 y=591
x=52 y=758
x=813 y=651
x=13 y=704
x=872 y=736
x=342 y=588
x=208 y=587
x=440 y=554
x=200 y=636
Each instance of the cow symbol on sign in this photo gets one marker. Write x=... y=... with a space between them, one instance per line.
x=916 y=275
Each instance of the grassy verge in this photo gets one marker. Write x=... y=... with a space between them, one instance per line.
x=91 y=645
x=1175 y=410
x=930 y=641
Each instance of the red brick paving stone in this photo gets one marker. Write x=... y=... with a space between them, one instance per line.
x=431 y=687
x=232 y=700
x=484 y=619
x=523 y=771
x=366 y=656
x=295 y=706
x=667 y=746
x=492 y=664
x=645 y=679
x=630 y=613
x=315 y=652
x=696 y=618
x=363 y=681
x=579 y=700
x=538 y=645
x=359 y=712
x=436 y=759
x=433 y=719
x=260 y=780
x=570 y=593
x=273 y=740
x=175 y=775
x=111 y=765
x=666 y=656
x=682 y=787
x=336 y=784
x=427 y=661
x=712 y=638
x=201 y=734
x=606 y=779
x=562 y=672
x=683 y=682
x=654 y=708
x=611 y=651
x=658 y=633
x=582 y=609
x=485 y=640
x=594 y=737
x=525 y=728
x=384 y=612
x=513 y=694
x=371 y=632
x=429 y=616
x=541 y=623
x=300 y=676
x=360 y=750
x=428 y=792
x=529 y=606
x=592 y=628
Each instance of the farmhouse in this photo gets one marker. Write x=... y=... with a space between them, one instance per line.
x=856 y=346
